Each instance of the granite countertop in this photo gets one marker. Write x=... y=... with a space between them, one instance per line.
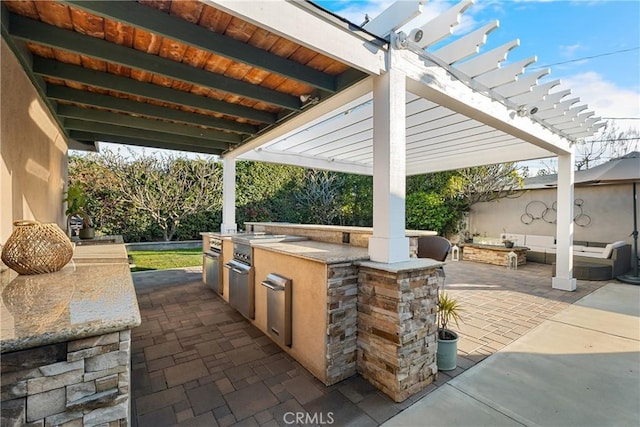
x=83 y=299
x=328 y=253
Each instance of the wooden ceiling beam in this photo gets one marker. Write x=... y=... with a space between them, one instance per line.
x=99 y=79
x=99 y=137
x=174 y=28
x=30 y=30
x=101 y=116
x=94 y=99
x=153 y=136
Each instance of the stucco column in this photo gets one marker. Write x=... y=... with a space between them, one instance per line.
x=389 y=243
x=564 y=229
x=228 y=196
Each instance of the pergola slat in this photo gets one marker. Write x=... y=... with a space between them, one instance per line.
x=536 y=93
x=522 y=85
x=551 y=100
x=504 y=75
x=465 y=46
x=442 y=25
x=487 y=61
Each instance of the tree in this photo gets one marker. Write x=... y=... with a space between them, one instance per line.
x=609 y=144
x=488 y=183
x=168 y=188
x=320 y=196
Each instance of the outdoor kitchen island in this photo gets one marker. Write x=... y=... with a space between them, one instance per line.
x=348 y=314
x=66 y=341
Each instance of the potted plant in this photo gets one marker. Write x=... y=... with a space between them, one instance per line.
x=76 y=206
x=508 y=243
x=448 y=310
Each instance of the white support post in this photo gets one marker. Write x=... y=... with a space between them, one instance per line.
x=228 y=196
x=563 y=279
x=389 y=243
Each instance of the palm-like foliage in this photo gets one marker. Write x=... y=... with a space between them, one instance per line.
x=448 y=310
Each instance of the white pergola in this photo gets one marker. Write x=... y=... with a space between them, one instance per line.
x=421 y=110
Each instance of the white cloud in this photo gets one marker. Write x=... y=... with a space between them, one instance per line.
x=605 y=98
x=570 y=51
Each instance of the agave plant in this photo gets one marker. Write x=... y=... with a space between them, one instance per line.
x=448 y=309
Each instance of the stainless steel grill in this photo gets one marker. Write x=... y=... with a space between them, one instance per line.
x=241 y=274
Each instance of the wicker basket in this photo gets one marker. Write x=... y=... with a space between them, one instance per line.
x=35 y=248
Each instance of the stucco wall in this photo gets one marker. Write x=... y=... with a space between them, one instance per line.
x=33 y=151
x=610 y=208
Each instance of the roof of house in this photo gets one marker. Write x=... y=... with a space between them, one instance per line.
x=621 y=169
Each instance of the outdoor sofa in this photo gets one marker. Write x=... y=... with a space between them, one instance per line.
x=592 y=260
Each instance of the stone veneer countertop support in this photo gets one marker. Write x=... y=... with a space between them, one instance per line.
x=87 y=297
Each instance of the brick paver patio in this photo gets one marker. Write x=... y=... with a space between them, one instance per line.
x=197 y=362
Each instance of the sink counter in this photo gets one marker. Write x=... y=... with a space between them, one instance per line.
x=327 y=253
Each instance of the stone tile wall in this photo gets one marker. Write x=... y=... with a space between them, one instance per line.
x=342 y=318
x=77 y=383
x=397 y=329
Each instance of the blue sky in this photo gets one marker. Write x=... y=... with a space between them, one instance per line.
x=554 y=31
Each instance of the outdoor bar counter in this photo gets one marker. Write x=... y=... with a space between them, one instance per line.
x=66 y=340
x=348 y=314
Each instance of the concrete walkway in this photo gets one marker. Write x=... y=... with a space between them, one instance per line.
x=580 y=367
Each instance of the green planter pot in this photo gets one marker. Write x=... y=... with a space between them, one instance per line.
x=446 y=357
x=87 y=233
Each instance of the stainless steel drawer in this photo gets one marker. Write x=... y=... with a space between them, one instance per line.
x=279 y=308
x=241 y=290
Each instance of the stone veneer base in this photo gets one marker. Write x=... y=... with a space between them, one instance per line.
x=397 y=327
x=85 y=382
x=342 y=318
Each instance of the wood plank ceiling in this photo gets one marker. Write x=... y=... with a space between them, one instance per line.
x=166 y=74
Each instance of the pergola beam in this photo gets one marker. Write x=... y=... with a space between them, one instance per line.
x=100 y=116
x=108 y=129
x=98 y=137
x=38 y=32
x=94 y=99
x=172 y=27
x=98 y=79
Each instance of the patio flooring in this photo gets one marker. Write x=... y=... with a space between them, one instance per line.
x=197 y=362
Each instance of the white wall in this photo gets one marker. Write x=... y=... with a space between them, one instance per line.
x=33 y=152
x=610 y=208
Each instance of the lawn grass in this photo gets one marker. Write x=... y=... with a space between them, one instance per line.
x=161 y=260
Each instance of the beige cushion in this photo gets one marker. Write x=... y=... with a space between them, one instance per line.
x=535 y=240
x=590 y=254
x=592 y=249
x=606 y=253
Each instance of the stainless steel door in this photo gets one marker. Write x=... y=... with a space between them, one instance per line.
x=279 y=308
x=241 y=290
x=211 y=271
